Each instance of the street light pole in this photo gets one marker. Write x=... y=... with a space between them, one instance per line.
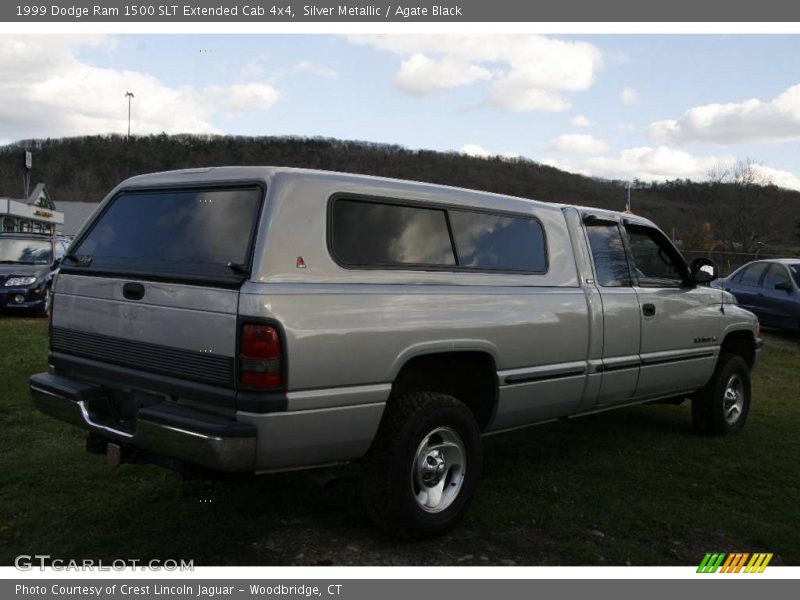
x=129 y=96
x=628 y=199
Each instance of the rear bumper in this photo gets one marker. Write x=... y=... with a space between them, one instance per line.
x=167 y=429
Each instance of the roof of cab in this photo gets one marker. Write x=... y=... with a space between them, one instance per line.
x=267 y=173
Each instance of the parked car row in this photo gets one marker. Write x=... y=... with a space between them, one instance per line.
x=768 y=288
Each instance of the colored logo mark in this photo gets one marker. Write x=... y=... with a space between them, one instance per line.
x=735 y=562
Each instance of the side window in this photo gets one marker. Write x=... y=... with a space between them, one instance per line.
x=738 y=277
x=377 y=234
x=775 y=274
x=608 y=253
x=496 y=242
x=752 y=274
x=656 y=263
x=795 y=269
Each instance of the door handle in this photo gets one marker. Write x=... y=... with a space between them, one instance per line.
x=648 y=310
x=133 y=291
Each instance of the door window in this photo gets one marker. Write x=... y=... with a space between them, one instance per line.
x=751 y=275
x=656 y=262
x=608 y=253
x=795 y=269
x=775 y=274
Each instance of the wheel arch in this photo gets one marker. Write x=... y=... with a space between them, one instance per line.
x=466 y=373
x=741 y=342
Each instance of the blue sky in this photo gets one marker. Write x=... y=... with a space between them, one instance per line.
x=606 y=105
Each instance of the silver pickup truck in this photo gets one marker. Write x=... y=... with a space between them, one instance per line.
x=256 y=319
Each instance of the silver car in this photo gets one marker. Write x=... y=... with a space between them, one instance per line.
x=257 y=319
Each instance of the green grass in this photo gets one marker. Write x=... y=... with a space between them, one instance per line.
x=634 y=486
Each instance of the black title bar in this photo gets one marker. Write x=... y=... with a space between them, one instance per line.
x=288 y=11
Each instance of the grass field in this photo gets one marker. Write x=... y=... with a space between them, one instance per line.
x=634 y=486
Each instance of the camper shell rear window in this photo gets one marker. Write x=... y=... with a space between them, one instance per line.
x=197 y=234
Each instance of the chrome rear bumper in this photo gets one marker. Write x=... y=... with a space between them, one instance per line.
x=165 y=429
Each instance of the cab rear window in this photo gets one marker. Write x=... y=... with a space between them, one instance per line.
x=196 y=233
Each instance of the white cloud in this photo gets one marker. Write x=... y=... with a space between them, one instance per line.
x=254 y=68
x=421 y=75
x=646 y=163
x=243 y=97
x=306 y=66
x=577 y=143
x=525 y=72
x=784 y=179
x=661 y=163
x=751 y=121
x=475 y=150
x=506 y=94
x=580 y=121
x=48 y=90
x=629 y=96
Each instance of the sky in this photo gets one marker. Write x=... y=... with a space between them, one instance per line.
x=645 y=107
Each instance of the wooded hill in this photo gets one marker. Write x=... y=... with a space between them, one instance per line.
x=728 y=215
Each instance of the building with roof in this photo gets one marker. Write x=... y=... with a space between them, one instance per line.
x=35 y=214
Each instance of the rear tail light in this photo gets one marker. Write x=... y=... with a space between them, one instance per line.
x=260 y=364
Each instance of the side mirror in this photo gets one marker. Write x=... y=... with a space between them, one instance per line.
x=56 y=263
x=704 y=270
x=784 y=285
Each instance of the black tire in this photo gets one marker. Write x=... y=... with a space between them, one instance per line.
x=391 y=479
x=711 y=408
x=44 y=309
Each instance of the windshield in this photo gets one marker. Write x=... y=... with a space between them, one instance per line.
x=795 y=269
x=26 y=252
x=186 y=233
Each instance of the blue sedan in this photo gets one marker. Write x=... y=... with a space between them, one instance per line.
x=768 y=288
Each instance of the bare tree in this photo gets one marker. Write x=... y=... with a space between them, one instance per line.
x=740 y=222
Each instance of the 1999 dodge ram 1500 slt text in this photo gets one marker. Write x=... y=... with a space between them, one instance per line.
x=256 y=319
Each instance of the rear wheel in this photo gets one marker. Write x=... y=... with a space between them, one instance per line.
x=721 y=408
x=423 y=468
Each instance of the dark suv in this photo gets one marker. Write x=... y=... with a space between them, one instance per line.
x=28 y=262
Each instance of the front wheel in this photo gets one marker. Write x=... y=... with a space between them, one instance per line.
x=721 y=408
x=423 y=467
x=47 y=302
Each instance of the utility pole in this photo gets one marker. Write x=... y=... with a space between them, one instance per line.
x=628 y=200
x=129 y=96
x=26 y=173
